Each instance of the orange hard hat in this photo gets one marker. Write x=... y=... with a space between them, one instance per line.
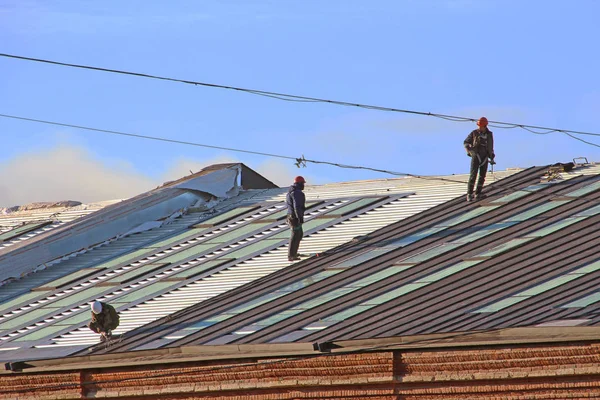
x=299 y=179
x=482 y=121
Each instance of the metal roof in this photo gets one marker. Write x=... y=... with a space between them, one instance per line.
x=169 y=271
x=21 y=226
x=527 y=255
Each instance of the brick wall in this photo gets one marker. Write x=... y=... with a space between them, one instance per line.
x=509 y=373
x=541 y=372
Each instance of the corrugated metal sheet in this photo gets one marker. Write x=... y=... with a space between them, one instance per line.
x=57 y=219
x=343 y=232
x=254 y=266
x=519 y=247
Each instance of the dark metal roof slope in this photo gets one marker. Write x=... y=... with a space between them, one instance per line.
x=515 y=259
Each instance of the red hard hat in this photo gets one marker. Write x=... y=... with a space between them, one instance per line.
x=299 y=179
x=482 y=121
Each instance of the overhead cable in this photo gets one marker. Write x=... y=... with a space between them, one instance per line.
x=297 y=98
x=298 y=161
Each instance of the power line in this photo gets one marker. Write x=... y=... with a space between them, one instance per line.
x=299 y=161
x=297 y=98
x=144 y=136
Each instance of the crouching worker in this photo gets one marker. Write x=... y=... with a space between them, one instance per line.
x=104 y=319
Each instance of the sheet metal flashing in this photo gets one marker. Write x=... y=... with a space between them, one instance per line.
x=119 y=218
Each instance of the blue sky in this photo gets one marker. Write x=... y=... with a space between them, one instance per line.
x=532 y=62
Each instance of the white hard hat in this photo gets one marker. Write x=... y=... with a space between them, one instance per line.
x=96 y=307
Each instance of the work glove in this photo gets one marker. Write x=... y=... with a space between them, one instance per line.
x=469 y=149
x=492 y=161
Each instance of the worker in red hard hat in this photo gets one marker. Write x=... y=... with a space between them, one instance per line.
x=296 y=203
x=480 y=147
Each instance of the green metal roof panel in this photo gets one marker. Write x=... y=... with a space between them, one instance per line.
x=542 y=287
x=584 y=301
x=249 y=305
x=394 y=294
x=229 y=215
x=189 y=252
x=280 y=316
x=344 y=315
x=24 y=298
x=467 y=216
x=172 y=240
x=589 y=212
x=535 y=211
x=551 y=284
x=40 y=333
x=511 y=244
x=238 y=233
x=414 y=237
x=356 y=205
x=13 y=233
x=446 y=272
x=79 y=297
x=499 y=305
x=126 y=258
x=324 y=298
x=377 y=276
x=283 y=213
x=76 y=320
x=511 y=197
x=136 y=272
x=211 y=321
x=80 y=274
x=431 y=253
x=547 y=230
x=520 y=193
x=260 y=246
x=592 y=267
x=313 y=223
x=485 y=231
x=25 y=318
x=361 y=258
x=292 y=287
x=585 y=190
x=136 y=294
x=198 y=269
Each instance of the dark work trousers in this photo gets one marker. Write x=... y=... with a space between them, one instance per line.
x=296 y=236
x=95 y=327
x=476 y=166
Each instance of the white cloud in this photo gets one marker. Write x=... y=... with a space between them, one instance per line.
x=67 y=173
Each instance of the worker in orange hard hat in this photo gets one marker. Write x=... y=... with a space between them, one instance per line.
x=296 y=203
x=480 y=147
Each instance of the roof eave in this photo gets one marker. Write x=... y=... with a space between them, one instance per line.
x=518 y=337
